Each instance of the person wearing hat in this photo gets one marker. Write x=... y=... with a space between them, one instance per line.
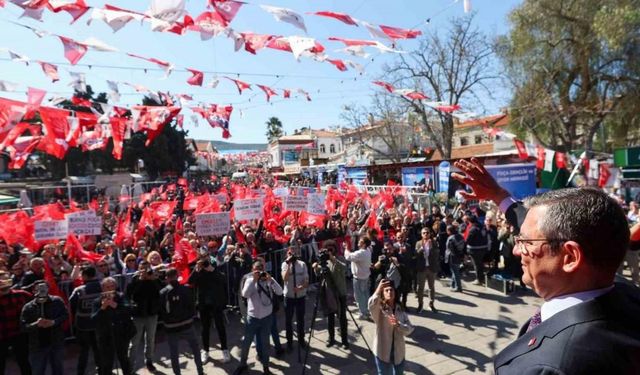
x=43 y=318
x=11 y=303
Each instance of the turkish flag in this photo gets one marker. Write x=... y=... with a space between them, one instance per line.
x=118 y=129
x=76 y=251
x=339 y=16
x=196 y=78
x=268 y=91
x=338 y=64
x=522 y=149
x=73 y=51
x=396 y=33
x=386 y=85
x=55 y=122
x=561 y=160
x=162 y=211
x=540 y=153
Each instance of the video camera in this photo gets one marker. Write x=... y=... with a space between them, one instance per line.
x=323 y=260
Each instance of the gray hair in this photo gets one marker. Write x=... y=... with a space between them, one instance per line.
x=589 y=217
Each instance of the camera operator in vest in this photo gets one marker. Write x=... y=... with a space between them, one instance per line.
x=143 y=293
x=334 y=273
x=177 y=309
x=212 y=299
x=296 y=282
x=42 y=318
x=81 y=303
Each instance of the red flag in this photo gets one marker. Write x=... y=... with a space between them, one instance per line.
x=386 y=85
x=240 y=85
x=118 y=129
x=34 y=98
x=76 y=251
x=339 y=16
x=540 y=153
x=396 y=33
x=50 y=70
x=353 y=42
x=196 y=78
x=604 y=175
x=227 y=9
x=124 y=231
x=448 y=108
x=52 y=211
x=161 y=211
x=286 y=93
x=73 y=51
x=163 y=64
x=338 y=64
x=522 y=149
x=254 y=42
x=561 y=160
x=76 y=10
x=20 y=150
x=415 y=95
x=55 y=122
x=17 y=228
x=268 y=91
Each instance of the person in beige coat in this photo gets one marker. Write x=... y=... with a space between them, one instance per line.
x=392 y=325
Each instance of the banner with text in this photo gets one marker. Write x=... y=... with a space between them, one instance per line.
x=214 y=224
x=84 y=223
x=248 y=209
x=315 y=203
x=517 y=179
x=295 y=203
x=50 y=229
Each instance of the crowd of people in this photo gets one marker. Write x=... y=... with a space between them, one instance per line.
x=114 y=292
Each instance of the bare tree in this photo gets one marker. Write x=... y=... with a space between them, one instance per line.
x=453 y=69
x=381 y=128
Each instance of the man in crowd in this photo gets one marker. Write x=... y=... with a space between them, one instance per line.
x=11 y=303
x=571 y=242
x=143 y=293
x=81 y=304
x=477 y=245
x=427 y=264
x=454 y=256
x=212 y=299
x=260 y=292
x=42 y=318
x=296 y=281
x=177 y=312
x=361 y=269
x=336 y=280
x=35 y=274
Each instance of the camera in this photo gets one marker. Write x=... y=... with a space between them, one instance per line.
x=206 y=264
x=384 y=260
x=292 y=259
x=324 y=256
x=149 y=271
x=263 y=275
x=108 y=295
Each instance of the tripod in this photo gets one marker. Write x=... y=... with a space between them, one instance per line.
x=323 y=284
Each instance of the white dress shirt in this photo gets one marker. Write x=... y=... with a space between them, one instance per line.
x=560 y=303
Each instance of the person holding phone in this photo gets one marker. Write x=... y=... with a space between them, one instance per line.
x=392 y=325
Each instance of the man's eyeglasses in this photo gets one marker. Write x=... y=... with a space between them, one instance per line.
x=523 y=244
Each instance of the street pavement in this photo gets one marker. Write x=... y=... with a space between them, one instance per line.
x=462 y=337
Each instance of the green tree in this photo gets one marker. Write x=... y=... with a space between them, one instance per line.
x=573 y=67
x=274 y=129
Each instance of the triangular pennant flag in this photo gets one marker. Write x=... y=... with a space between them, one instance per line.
x=339 y=64
x=389 y=87
x=300 y=44
x=396 y=33
x=345 y=18
x=76 y=10
x=73 y=51
x=240 y=85
x=196 y=77
x=268 y=91
x=561 y=160
x=50 y=70
x=286 y=15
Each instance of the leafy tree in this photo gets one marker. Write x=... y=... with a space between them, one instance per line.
x=573 y=67
x=453 y=69
x=274 y=129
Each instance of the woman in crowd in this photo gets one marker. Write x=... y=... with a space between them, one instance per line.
x=392 y=325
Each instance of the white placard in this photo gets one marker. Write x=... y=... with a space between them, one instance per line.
x=281 y=192
x=84 y=223
x=295 y=203
x=248 y=209
x=213 y=224
x=315 y=203
x=50 y=229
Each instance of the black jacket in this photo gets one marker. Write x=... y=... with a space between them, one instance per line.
x=211 y=286
x=177 y=307
x=53 y=309
x=81 y=303
x=477 y=239
x=113 y=326
x=144 y=296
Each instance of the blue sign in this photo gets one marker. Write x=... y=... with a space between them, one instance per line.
x=444 y=170
x=417 y=176
x=357 y=175
x=290 y=157
x=518 y=179
x=342 y=174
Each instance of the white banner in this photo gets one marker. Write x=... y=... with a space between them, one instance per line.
x=281 y=192
x=248 y=209
x=213 y=224
x=295 y=203
x=50 y=229
x=315 y=203
x=84 y=223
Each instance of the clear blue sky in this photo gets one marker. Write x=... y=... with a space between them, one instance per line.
x=329 y=88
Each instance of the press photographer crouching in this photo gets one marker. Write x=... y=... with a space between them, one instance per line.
x=334 y=291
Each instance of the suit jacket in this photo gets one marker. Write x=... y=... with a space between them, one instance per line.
x=434 y=257
x=600 y=336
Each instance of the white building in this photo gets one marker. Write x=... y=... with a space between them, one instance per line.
x=311 y=147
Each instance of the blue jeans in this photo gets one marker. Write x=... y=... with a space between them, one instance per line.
x=188 y=335
x=260 y=328
x=456 y=280
x=361 y=294
x=385 y=368
x=40 y=357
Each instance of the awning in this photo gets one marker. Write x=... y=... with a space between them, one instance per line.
x=8 y=199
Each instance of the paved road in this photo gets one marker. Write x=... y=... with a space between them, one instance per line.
x=462 y=337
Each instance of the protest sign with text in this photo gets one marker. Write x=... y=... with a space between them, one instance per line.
x=248 y=209
x=50 y=229
x=315 y=203
x=295 y=203
x=213 y=224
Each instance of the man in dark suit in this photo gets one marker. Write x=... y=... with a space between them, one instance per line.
x=571 y=242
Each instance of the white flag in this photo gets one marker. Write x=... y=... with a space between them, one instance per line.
x=78 y=83
x=167 y=10
x=300 y=44
x=467 y=6
x=549 y=157
x=8 y=86
x=286 y=15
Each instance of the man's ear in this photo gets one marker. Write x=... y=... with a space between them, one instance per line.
x=572 y=256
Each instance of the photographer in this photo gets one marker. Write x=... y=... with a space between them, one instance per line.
x=144 y=295
x=296 y=282
x=42 y=318
x=392 y=325
x=334 y=273
x=260 y=291
x=114 y=327
x=177 y=311
x=388 y=266
x=212 y=298
x=361 y=269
